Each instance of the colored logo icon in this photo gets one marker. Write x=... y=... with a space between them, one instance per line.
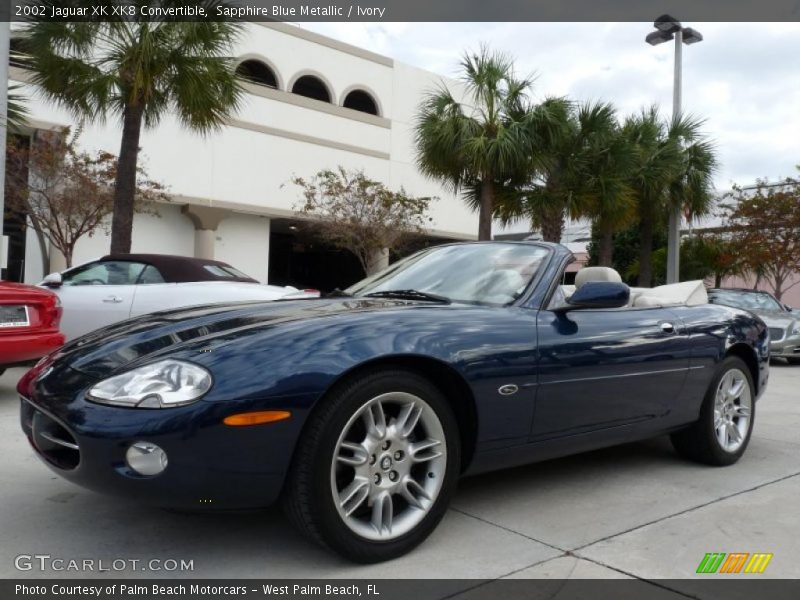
x=735 y=562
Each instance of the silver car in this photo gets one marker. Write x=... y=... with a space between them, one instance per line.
x=782 y=320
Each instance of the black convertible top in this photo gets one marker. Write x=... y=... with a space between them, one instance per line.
x=181 y=269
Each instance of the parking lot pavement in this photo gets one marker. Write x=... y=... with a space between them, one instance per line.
x=633 y=511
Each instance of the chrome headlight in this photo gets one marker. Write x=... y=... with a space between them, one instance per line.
x=162 y=384
x=796 y=328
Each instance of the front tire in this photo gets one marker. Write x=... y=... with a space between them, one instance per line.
x=375 y=467
x=721 y=434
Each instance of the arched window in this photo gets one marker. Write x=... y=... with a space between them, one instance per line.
x=257 y=72
x=362 y=101
x=311 y=87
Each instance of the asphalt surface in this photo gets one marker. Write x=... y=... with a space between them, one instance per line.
x=632 y=511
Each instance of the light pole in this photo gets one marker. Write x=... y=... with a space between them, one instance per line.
x=668 y=28
x=5 y=41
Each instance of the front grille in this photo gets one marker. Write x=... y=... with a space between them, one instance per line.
x=776 y=334
x=49 y=438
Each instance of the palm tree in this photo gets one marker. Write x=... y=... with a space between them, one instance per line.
x=673 y=166
x=583 y=172
x=485 y=146
x=136 y=71
x=16 y=111
x=608 y=198
x=547 y=195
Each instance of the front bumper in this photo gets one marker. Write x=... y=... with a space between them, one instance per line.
x=788 y=347
x=210 y=465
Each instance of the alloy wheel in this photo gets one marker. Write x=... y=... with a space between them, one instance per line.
x=732 y=410
x=388 y=466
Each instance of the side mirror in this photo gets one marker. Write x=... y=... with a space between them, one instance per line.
x=600 y=294
x=788 y=308
x=53 y=280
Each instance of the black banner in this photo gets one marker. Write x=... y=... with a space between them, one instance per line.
x=733 y=588
x=402 y=10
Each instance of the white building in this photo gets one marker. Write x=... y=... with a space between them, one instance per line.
x=319 y=103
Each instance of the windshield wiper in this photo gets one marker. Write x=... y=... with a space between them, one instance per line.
x=409 y=295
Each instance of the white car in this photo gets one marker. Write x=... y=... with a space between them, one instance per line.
x=115 y=288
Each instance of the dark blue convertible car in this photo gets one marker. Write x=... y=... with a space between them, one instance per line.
x=361 y=411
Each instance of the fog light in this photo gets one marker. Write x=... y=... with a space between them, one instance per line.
x=146 y=458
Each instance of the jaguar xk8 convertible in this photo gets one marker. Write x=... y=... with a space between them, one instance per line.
x=361 y=411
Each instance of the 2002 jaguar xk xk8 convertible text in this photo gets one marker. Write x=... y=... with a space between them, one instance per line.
x=361 y=411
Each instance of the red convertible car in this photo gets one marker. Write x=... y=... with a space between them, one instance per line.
x=29 y=318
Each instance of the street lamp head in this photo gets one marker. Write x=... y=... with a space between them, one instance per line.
x=667 y=24
x=655 y=38
x=691 y=36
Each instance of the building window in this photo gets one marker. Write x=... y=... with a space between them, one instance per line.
x=257 y=72
x=361 y=101
x=311 y=87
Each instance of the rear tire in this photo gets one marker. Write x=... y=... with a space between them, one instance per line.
x=721 y=434
x=793 y=360
x=375 y=467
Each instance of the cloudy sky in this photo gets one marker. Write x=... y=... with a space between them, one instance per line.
x=744 y=79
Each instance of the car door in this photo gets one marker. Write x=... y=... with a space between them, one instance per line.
x=606 y=367
x=97 y=294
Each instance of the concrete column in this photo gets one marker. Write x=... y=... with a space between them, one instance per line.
x=378 y=261
x=206 y=219
x=204 y=242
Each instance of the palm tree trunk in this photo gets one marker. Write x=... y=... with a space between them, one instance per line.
x=646 y=251
x=125 y=189
x=487 y=210
x=553 y=224
x=606 y=246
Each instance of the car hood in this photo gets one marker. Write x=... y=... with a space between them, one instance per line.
x=111 y=349
x=774 y=318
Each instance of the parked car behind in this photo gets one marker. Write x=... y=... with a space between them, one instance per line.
x=783 y=322
x=29 y=318
x=117 y=287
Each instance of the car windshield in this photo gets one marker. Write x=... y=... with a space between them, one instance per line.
x=746 y=300
x=492 y=273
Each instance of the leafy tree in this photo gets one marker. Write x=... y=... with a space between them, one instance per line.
x=486 y=146
x=136 y=71
x=67 y=194
x=352 y=212
x=764 y=224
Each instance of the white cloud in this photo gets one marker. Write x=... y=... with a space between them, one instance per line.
x=744 y=78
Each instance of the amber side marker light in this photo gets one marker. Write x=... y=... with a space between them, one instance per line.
x=257 y=418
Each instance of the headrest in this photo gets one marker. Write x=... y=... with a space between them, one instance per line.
x=596 y=274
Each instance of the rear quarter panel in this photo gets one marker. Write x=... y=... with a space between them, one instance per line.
x=714 y=331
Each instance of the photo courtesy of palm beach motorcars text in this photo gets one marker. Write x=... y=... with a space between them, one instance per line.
x=160 y=590
x=391 y=299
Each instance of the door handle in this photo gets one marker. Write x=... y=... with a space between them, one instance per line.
x=112 y=300
x=667 y=327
